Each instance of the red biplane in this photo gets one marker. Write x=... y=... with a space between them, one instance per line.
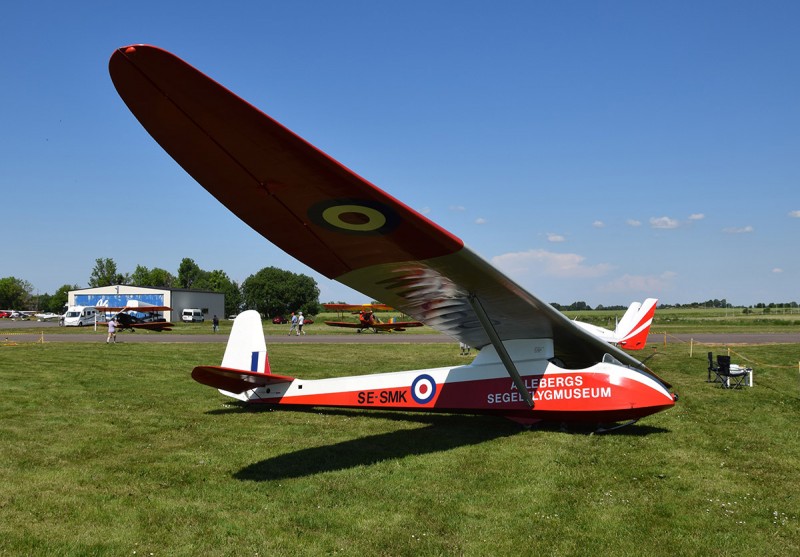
x=534 y=363
x=367 y=320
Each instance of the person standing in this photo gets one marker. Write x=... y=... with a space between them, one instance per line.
x=215 y=324
x=112 y=330
x=300 y=321
x=293 y=320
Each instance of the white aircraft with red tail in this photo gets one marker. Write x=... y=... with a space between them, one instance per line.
x=632 y=330
x=534 y=363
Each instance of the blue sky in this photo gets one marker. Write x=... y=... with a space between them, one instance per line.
x=594 y=151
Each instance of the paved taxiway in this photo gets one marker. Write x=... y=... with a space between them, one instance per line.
x=31 y=331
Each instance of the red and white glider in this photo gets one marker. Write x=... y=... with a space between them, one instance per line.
x=534 y=363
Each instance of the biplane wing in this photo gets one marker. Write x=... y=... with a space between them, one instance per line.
x=331 y=219
x=388 y=326
x=129 y=321
x=140 y=309
x=357 y=307
x=157 y=326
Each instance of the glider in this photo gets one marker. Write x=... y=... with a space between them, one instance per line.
x=534 y=363
x=631 y=331
x=367 y=320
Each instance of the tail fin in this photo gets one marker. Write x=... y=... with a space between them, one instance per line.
x=245 y=365
x=634 y=326
x=247 y=349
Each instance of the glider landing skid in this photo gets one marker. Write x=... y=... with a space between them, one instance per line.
x=529 y=423
x=601 y=429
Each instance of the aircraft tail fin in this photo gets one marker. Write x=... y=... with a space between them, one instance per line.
x=247 y=349
x=633 y=328
x=245 y=365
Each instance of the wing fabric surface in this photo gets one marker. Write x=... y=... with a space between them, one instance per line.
x=328 y=217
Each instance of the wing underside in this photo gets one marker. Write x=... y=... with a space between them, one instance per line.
x=328 y=217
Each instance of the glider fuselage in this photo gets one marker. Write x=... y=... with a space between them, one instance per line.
x=604 y=392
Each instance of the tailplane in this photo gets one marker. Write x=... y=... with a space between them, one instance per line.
x=633 y=328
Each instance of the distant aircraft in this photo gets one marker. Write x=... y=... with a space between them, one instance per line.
x=141 y=316
x=47 y=316
x=631 y=331
x=367 y=320
x=534 y=363
x=15 y=314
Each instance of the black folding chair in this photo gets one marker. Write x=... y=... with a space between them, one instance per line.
x=714 y=368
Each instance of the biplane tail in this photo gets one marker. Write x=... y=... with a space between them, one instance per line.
x=245 y=365
x=633 y=328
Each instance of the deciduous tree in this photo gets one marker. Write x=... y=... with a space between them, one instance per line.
x=272 y=291
x=14 y=293
x=105 y=273
x=188 y=273
x=156 y=277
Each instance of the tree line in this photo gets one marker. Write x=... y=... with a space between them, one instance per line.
x=271 y=291
x=716 y=304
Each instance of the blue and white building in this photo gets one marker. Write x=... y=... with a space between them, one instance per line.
x=210 y=303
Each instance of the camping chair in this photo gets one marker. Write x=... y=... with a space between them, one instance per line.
x=731 y=379
x=714 y=368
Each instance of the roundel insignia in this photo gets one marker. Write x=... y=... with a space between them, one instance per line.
x=423 y=388
x=354 y=216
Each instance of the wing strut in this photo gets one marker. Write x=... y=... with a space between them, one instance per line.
x=500 y=348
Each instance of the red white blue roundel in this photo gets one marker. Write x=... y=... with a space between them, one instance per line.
x=422 y=389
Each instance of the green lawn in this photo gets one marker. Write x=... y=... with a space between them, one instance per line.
x=114 y=450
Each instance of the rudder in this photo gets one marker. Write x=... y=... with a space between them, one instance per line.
x=633 y=329
x=247 y=349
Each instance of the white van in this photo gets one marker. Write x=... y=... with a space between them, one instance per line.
x=192 y=315
x=78 y=316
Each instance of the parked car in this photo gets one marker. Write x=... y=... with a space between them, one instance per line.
x=281 y=320
x=192 y=315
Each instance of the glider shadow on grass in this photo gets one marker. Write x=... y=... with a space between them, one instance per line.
x=442 y=433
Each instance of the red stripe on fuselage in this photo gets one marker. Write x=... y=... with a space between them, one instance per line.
x=568 y=396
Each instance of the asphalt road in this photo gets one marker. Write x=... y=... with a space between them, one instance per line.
x=31 y=331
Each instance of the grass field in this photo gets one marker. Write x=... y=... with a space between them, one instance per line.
x=114 y=450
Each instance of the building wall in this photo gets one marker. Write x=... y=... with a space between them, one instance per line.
x=212 y=303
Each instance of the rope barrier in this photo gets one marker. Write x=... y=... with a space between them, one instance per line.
x=6 y=342
x=693 y=342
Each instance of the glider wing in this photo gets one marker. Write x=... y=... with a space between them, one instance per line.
x=331 y=219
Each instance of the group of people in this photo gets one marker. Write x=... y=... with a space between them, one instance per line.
x=297 y=324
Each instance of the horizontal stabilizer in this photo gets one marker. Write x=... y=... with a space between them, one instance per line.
x=234 y=380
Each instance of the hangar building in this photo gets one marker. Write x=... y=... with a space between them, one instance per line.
x=210 y=303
